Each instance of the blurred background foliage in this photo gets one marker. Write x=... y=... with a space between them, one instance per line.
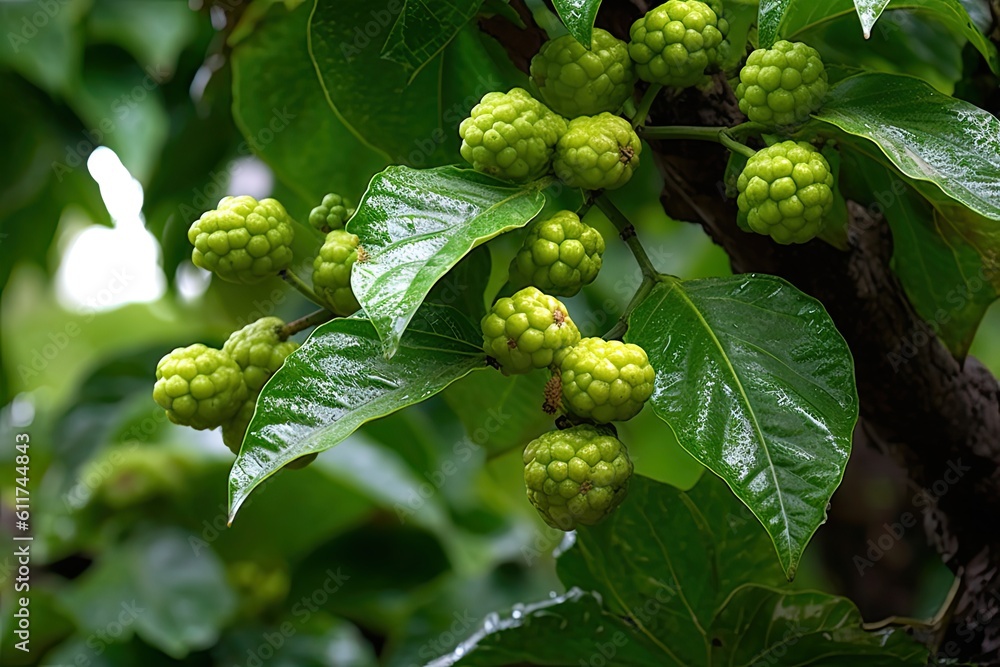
x=124 y=121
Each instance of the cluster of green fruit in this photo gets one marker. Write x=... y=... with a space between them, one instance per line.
x=785 y=190
x=580 y=474
x=246 y=241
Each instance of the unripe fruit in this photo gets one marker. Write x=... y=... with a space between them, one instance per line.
x=597 y=153
x=786 y=191
x=259 y=351
x=559 y=255
x=332 y=272
x=782 y=85
x=331 y=214
x=527 y=331
x=199 y=386
x=605 y=380
x=511 y=136
x=674 y=43
x=243 y=240
x=577 y=476
x=575 y=81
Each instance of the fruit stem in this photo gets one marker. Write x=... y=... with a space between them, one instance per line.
x=642 y=113
x=621 y=326
x=303 y=323
x=735 y=146
x=682 y=132
x=296 y=282
x=627 y=233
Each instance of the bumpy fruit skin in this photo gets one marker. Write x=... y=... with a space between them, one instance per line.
x=782 y=85
x=332 y=272
x=575 y=81
x=786 y=191
x=527 y=331
x=243 y=240
x=559 y=255
x=259 y=351
x=674 y=43
x=606 y=380
x=331 y=214
x=199 y=386
x=577 y=476
x=511 y=135
x=597 y=152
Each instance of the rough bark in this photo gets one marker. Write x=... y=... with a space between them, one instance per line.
x=938 y=417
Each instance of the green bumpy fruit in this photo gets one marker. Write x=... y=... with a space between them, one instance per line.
x=199 y=386
x=331 y=214
x=527 y=331
x=577 y=476
x=511 y=136
x=559 y=255
x=782 y=85
x=575 y=81
x=597 y=152
x=786 y=192
x=243 y=240
x=332 y=272
x=674 y=44
x=259 y=350
x=605 y=380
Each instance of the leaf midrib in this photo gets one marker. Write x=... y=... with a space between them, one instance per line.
x=752 y=413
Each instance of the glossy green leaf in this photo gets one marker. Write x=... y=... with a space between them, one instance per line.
x=423 y=29
x=375 y=98
x=868 y=12
x=798 y=17
x=950 y=282
x=415 y=225
x=156 y=585
x=338 y=380
x=804 y=628
x=578 y=17
x=281 y=109
x=769 y=19
x=758 y=385
x=927 y=135
x=682 y=580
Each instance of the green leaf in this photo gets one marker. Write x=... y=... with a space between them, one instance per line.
x=868 y=12
x=423 y=29
x=157 y=586
x=927 y=135
x=670 y=579
x=758 y=385
x=338 y=380
x=947 y=278
x=769 y=19
x=804 y=628
x=578 y=17
x=281 y=109
x=797 y=17
x=500 y=412
x=375 y=99
x=415 y=225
